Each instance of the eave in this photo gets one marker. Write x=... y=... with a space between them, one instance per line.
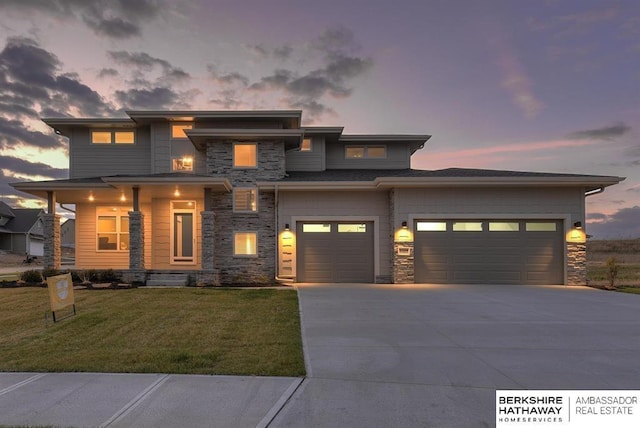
x=291 y=118
x=64 y=125
x=200 y=136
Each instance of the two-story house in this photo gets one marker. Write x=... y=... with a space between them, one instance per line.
x=251 y=196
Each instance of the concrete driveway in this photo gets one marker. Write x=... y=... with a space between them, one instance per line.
x=427 y=355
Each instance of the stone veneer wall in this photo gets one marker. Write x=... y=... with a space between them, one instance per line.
x=576 y=264
x=403 y=270
x=51 y=229
x=229 y=268
x=136 y=247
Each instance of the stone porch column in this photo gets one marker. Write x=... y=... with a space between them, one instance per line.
x=576 y=263
x=51 y=226
x=136 y=241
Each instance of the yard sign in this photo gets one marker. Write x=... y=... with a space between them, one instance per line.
x=60 y=293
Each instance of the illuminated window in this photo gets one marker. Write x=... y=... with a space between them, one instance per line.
x=112 y=229
x=352 y=228
x=546 y=226
x=365 y=152
x=113 y=137
x=245 y=243
x=183 y=164
x=467 y=226
x=177 y=130
x=306 y=145
x=245 y=155
x=316 y=228
x=431 y=226
x=504 y=226
x=245 y=200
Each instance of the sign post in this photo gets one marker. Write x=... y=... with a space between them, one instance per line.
x=61 y=294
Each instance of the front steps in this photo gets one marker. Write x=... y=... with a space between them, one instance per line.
x=167 y=279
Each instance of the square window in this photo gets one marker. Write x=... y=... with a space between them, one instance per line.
x=245 y=200
x=183 y=164
x=244 y=155
x=352 y=152
x=101 y=137
x=124 y=137
x=306 y=145
x=245 y=244
x=177 y=130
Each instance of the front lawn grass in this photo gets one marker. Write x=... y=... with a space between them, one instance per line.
x=198 y=331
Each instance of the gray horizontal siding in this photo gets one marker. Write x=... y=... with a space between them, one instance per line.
x=307 y=161
x=90 y=160
x=398 y=157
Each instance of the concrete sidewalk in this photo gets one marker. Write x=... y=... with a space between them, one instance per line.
x=141 y=400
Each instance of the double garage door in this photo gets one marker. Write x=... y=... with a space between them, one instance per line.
x=335 y=251
x=489 y=251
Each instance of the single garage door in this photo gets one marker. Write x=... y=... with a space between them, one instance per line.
x=489 y=251
x=334 y=251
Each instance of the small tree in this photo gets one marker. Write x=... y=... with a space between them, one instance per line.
x=612 y=271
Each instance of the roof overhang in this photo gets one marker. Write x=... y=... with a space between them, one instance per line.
x=289 y=118
x=415 y=142
x=64 y=125
x=200 y=136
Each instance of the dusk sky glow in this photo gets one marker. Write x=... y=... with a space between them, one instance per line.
x=531 y=85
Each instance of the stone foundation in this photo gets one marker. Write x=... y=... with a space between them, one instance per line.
x=576 y=264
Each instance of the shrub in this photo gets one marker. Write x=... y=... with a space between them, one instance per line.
x=46 y=273
x=612 y=270
x=108 y=276
x=32 y=276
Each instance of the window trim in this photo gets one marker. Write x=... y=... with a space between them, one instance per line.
x=118 y=212
x=233 y=155
x=249 y=211
x=365 y=151
x=113 y=132
x=245 y=256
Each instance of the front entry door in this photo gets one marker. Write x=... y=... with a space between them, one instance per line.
x=183 y=232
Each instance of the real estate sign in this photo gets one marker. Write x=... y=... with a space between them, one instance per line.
x=60 y=291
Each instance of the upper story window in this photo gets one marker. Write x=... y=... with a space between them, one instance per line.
x=365 y=152
x=245 y=155
x=183 y=164
x=113 y=137
x=245 y=200
x=177 y=130
x=306 y=145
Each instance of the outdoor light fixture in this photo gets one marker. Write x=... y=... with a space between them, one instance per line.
x=123 y=198
x=286 y=227
x=176 y=193
x=91 y=198
x=578 y=225
x=404 y=225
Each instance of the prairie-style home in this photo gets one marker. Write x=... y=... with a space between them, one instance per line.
x=253 y=196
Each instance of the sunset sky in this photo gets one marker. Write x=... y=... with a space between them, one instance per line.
x=532 y=85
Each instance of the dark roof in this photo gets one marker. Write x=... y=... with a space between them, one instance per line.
x=372 y=174
x=5 y=210
x=23 y=218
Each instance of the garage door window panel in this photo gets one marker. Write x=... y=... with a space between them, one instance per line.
x=431 y=226
x=352 y=228
x=504 y=226
x=316 y=228
x=541 y=226
x=467 y=226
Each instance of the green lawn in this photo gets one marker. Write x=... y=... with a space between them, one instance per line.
x=628 y=274
x=186 y=330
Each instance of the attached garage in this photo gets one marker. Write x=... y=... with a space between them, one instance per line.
x=335 y=251
x=489 y=251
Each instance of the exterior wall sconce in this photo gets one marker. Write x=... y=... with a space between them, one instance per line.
x=286 y=227
x=404 y=225
x=576 y=235
x=578 y=225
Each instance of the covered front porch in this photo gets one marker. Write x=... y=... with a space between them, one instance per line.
x=135 y=224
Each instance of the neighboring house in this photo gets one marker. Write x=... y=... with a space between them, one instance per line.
x=21 y=230
x=68 y=233
x=243 y=196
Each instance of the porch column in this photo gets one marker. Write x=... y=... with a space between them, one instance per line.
x=51 y=226
x=136 y=241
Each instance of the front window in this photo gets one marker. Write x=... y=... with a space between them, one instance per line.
x=113 y=137
x=183 y=164
x=306 y=145
x=112 y=229
x=245 y=200
x=245 y=244
x=245 y=155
